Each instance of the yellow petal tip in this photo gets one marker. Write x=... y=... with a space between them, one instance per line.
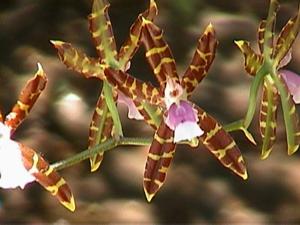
x=292 y=149
x=57 y=43
x=149 y=196
x=70 y=205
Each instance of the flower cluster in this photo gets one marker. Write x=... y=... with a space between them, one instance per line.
x=166 y=108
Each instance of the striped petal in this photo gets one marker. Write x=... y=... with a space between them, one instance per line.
x=290 y=115
x=221 y=144
x=27 y=98
x=261 y=35
x=100 y=130
x=76 y=60
x=159 y=159
x=131 y=45
x=268 y=29
x=253 y=61
x=286 y=38
x=158 y=53
x=133 y=88
x=47 y=177
x=267 y=117
x=202 y=60
x=101 y=30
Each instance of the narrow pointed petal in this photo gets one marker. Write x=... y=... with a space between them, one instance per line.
x=27 y=98
x=261 y=35
x=133 y=88
x=47 y=177
x=202 y=60
x=286 y=38
x=291 y=119
x=131 y=45
x=221 y=144
x=269 y=29
x=101 y=128
x=159 y=158
x=76 y=60
x=253 y=61
x=267 y=117
x=290 y=115
x=101 y=30
x=158 y=53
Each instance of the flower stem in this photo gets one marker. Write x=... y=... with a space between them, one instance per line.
x=105 y=146
x=108 y=93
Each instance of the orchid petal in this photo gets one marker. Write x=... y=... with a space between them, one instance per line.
x=12 y=170
x=133 y=112
x=187 y=131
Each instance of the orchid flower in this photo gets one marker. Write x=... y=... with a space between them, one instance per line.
x=182 y=120
x=105 y=123
x=19 y=164
x=278 y=85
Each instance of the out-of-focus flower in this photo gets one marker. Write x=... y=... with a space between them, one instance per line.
x=19 y=164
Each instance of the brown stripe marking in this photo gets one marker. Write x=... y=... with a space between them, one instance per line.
x=28 y=96
x=47 y=177
x=202 y=60
x=159 y=158
x=221 y=144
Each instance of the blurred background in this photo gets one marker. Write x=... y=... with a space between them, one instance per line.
x=198 y=189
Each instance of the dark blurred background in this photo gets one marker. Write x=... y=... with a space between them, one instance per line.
x=198 y=188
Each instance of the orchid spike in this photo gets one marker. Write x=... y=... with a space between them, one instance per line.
x=278 y=85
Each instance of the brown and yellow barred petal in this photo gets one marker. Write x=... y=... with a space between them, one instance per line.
x=101 y=128
x=76 y=60
x=203 y=58
x=101 y=30
x=293 y=141
x=253 y=61
x=269 y=29
x=286 y=38
x=27 y=98
x=158 y=53
x=131 y=45
x=133 y=88
x=221 y=144
x=267 y=117
x=261 y=35
x=47 y=177
x=159 y=158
